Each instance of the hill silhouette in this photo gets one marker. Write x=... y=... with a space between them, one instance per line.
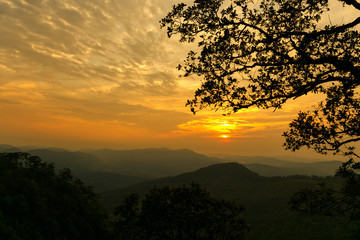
x=162 y=162
x=222 y=174
x=8 y=148
x=87 y=167
x=152 y=162
x=283 y=168
x=108 y=169
x=76 y=161
x=230 y=180
x=264 y=198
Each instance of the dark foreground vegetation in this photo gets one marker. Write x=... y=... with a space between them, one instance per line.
x=183 y=212
x=38 y=202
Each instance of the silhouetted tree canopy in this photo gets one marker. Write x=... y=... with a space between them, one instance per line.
x=264 y=53
x=178 y=213
x=38 y=203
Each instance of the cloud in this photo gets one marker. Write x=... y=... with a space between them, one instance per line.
x=100 y=62
x=49 y=100
x=92 y=42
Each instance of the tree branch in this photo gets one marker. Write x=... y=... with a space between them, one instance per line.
x=353 y=3
x=315 y=34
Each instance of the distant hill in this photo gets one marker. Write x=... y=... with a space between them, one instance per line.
x=121 y=168
x=108 y=169
x=210 y=177
x=162 y=162
x=153 y=162
x=230 y=180
x=8 y=148
x=311 y=169
x=87 y=167
x=286 y=166
x=264 y=198
x=76 y=161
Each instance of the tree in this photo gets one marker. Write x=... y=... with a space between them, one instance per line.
x=184 y=212
x=265 y=53
x=38 y=203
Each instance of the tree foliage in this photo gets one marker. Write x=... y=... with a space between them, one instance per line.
x=263 y=54
x=38 y=203
x=185 y=212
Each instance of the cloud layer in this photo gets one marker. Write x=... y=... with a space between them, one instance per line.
x=101 y=72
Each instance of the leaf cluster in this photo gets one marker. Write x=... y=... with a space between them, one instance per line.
x=332 y=127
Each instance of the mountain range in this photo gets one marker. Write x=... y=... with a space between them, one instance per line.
x=107 y=169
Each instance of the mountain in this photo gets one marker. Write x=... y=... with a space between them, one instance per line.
x=76 y=161
x=311 y=169
x=162 y=162
x=264 y=198
x=146 y=163
x=8 y=148
x=286 y=166
x=107 y=169
x=153 y=162
x=223 y=174
x=230 y=180
x=87 y=167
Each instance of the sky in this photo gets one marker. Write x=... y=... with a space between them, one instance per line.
x=102 y=74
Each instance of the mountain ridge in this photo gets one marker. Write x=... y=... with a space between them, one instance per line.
x=154 y=163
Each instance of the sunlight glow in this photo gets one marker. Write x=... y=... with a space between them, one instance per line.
x=217 y=127
x=226 y=128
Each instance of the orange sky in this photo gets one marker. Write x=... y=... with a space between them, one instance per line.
x=100 y=73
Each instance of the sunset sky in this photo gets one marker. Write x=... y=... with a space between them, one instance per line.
x=101 y=73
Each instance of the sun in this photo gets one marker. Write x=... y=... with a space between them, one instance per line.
x=224 y=128
x=224 y=138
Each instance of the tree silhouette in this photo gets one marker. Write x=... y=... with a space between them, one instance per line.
x=265 y=53
x=185 y=212
x=38 y=203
